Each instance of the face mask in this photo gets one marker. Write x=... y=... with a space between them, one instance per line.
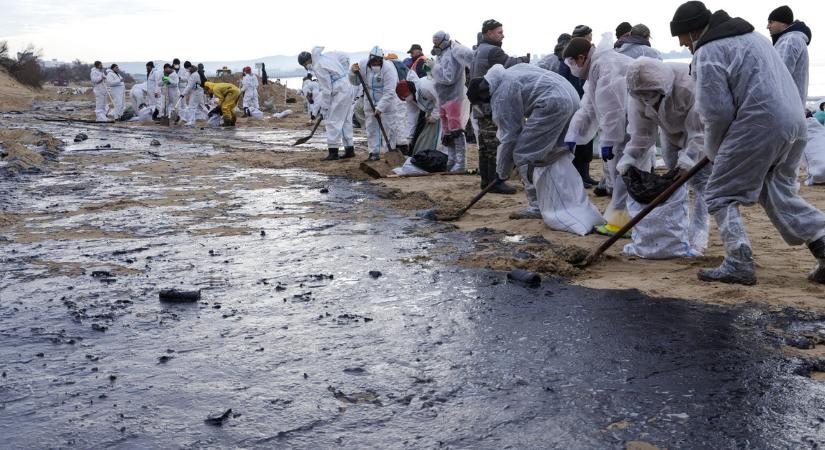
x=375 y=69
x=176 y=67
x=436 y=51
x=577 y=71
x=308 y=67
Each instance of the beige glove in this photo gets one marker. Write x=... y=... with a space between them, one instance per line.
x=356 y=67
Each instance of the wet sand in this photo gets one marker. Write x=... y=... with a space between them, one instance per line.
x=309 y=349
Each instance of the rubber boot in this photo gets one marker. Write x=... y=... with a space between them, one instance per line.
x=817 y=248
x=349 y=152
x=404 y=149
x=450 y=157
x=460 y=164
x=374 y=157
x=332 y=156
x=737 y=268
x=580 y=168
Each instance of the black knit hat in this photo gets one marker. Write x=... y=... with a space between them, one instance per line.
x=690 y=16
x=577 y=46
x=623 y=29
x=582 y=31
x=491 y=24
x=782 y=14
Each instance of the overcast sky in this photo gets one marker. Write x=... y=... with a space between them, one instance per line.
x=137 y=30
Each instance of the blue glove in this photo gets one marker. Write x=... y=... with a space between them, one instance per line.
x=571 y=146
x=607 y=153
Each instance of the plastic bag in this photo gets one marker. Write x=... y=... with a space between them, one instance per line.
x=562 y=199
x=814 y=155
x=214 y=121
x=664 y=232
x=644 y=187
x=255 y=113
x=408 y=169
x=430 y=161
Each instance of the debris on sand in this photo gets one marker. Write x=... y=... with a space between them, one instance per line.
x=375 y=273
x=531 y=279
x=155 y=143
x=542 y=258
x=356 y=398
x=179 y=296
x=80 y=137
x=219 y=419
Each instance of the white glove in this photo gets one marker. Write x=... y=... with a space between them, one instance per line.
x=685 y=162
x=625 y=163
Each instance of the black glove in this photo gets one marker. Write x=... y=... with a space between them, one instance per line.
x=214 y=112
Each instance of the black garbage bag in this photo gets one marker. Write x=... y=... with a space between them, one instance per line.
x=430 y=160
x=644 y=187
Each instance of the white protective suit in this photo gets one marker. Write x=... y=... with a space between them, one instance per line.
x=550 y=62
x=449 y=77
x=426 y=102
x=153 y=88
x=139 y=95
x=603 y=110
x=195 y=109
x=815 y=153
x=400 y=121
x=547 y=101
x=183 y=79
x=667 y=229
x=249 y=91
x=311 y=87
x=118 y=91
x=638 y=50
x=101 y=95
x=169 y=93
x=335 y=96
x=792 y=47
x=755 y=136
x=381 y=82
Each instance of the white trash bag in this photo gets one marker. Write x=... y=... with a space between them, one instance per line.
x=664 y=233
x=409 y=168
x=214 y=121
x=143 y=115
x=562 y=199
x=814 y=155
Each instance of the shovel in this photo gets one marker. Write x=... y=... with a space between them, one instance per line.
x=590 y=259
x=372 y=105
x=304 y=139
x=470 y=205
x=173 y=115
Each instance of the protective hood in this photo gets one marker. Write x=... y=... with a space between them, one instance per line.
x=723 y=26
x=796 y=26
x=631 y=40
x=649 y=74
x=494 y=77
x=377 y=52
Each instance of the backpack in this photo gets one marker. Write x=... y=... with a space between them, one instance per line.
x=430 y=160
x=401 y=69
